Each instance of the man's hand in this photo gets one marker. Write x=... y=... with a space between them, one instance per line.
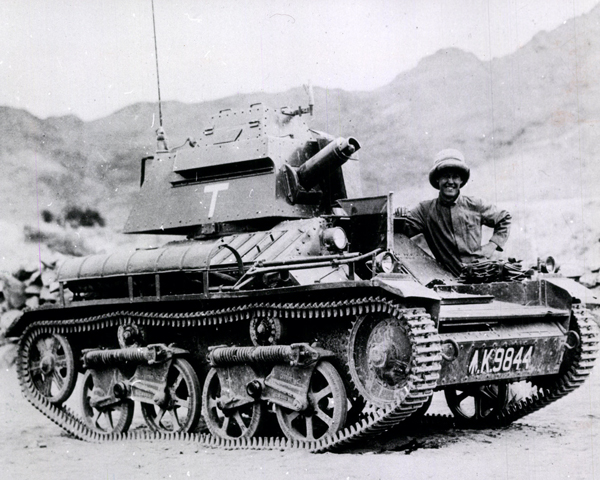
x=401 y=212
x=489 y=250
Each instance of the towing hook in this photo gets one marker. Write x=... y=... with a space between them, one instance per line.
x=576 y=340
x=450 y=354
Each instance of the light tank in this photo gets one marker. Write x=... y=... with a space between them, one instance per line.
x=293 y=314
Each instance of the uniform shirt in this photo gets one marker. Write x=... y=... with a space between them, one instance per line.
x=453 y=230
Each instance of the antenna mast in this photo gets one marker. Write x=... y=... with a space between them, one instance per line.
x=157 y=74
x=161 y=139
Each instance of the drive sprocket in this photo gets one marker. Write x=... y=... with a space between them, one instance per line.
x=382 y=354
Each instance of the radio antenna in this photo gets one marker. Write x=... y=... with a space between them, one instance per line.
x=160 y=120
x=161 y=139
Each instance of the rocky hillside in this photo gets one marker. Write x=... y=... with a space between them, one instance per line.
x=527 y=122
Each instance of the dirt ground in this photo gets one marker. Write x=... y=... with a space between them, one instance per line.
x=560 y=441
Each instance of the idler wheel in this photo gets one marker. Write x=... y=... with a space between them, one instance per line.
x=51 y=366
x=230 y=423
x=475 y=406
x=114 y=418
x=380 y=358
x=327 y=407
x=179 y=410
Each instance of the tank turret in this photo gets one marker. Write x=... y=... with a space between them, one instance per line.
x=251 y=169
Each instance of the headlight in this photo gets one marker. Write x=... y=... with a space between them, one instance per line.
x=335 y=237
x=548 y=265
x=385 y=262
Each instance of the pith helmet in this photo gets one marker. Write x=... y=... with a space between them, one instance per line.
x=449 y=158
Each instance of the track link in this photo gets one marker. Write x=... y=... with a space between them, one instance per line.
x=572 y=375
x=422 y=382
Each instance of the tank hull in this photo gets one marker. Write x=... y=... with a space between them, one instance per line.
x=289 y=308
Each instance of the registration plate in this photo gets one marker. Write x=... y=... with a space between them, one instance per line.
x=500 y=359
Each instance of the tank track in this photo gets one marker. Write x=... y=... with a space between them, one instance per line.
x=421 y=384
x=422 y=330
x=571 y=376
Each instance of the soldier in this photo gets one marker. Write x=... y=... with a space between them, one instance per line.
x=451 y=223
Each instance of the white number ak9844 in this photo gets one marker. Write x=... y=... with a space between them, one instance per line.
x=500 y=359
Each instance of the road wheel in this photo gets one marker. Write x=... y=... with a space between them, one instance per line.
x=180 y=409
x=115 y=418
x=476 y=406
x=230 y=423
x=327 y=407
x=51 y=366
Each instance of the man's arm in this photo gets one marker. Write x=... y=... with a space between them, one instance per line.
x=500 y=221
x=414 y=221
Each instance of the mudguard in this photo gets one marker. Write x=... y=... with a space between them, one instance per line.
x=417 y=293
x=560 y=286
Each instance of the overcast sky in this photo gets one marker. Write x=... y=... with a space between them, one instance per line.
x=92 y=57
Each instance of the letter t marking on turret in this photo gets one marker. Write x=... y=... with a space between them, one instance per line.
x=214 y=189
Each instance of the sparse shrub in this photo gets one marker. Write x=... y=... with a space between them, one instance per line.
x=34 y=235
x=58 y=239
x=77 y=217
x=47 y=216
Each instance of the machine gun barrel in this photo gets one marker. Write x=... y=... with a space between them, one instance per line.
x=334 y=155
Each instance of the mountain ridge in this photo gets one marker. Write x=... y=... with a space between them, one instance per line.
x=527 y=123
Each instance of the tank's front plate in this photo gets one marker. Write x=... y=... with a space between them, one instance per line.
x=502 y=352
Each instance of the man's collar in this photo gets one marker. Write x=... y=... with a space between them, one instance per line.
x=448 y=203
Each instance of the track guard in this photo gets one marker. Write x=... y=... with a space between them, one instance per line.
x=559 y=289
x=418 y=294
